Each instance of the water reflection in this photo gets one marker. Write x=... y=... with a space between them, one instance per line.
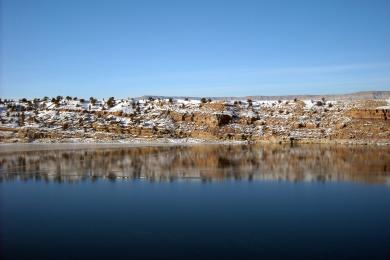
x=204 y=162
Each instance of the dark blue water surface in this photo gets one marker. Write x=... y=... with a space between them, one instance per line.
x=191 y=219
x=195 y=202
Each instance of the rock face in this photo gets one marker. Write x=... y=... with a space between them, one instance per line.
x=318 y=121
x=212 y=120
x=373 y=113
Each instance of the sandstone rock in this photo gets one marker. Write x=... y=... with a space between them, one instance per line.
x=212 y=120
x=260 y=122
x=341 y=125
x=311 y=125
x=374 y=113
x=176 y=116
x=217 y=106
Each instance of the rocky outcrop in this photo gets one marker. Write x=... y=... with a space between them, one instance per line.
x=382 y=113
x=252 y=120
x=211 y=120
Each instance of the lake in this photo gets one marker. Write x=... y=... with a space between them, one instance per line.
x=194 y=202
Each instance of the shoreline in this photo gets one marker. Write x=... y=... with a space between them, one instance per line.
x=70 y=144
x=145 y=142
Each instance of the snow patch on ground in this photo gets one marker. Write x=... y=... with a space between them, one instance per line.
x=308 y=103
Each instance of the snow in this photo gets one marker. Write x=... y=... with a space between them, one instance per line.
x=383 y=107
x=308 y=103
x=249 y=114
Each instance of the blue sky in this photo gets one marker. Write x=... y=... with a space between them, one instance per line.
x=193 y=48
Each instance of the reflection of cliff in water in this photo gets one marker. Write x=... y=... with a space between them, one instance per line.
x=205 y=162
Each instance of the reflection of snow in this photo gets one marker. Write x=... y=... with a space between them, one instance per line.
x=212 y=162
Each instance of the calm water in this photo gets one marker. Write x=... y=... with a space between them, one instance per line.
x=200 y=202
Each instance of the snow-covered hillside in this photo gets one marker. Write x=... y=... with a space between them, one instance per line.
x=60 y=119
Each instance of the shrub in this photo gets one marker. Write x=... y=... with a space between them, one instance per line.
x=21 y=119
x=111 y=102
x=92 y=100
x=203 y=100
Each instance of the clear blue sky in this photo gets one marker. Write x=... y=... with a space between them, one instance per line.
x=193 y=48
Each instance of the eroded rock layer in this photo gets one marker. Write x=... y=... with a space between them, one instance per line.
x=72 y=119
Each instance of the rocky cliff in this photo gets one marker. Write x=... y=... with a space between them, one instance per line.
x=254 y=120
